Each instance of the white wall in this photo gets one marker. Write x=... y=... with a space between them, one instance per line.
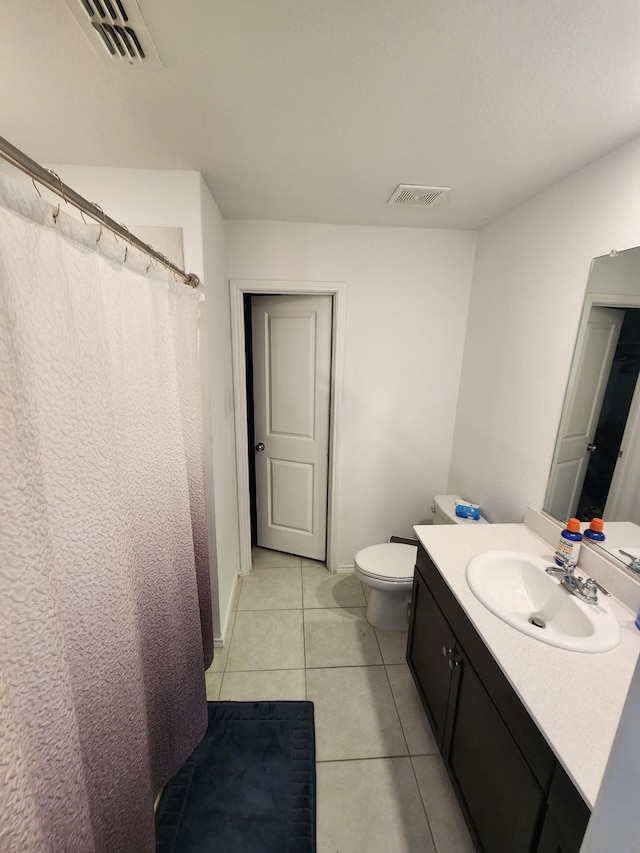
x=529 y=282
x=406 y=306
x=219 y=420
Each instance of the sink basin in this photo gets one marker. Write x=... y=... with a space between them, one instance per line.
x=516 y=588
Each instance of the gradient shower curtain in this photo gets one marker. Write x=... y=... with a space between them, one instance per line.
x=104 y=590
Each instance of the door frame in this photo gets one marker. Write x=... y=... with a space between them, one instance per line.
x=238 y=288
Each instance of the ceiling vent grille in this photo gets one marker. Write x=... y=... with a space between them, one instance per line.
x=411 y=195
x=116 y=30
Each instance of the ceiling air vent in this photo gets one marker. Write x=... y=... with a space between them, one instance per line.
x=411 y=195
x=116 y=30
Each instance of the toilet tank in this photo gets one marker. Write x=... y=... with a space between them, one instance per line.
x=444 y=507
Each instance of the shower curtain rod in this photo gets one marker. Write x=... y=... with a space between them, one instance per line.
x=53 y=182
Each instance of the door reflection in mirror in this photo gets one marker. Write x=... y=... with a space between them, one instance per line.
x=595 y=470
x=608 y=451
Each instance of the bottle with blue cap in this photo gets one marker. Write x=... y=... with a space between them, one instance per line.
x=569 y=544
x=595 y=530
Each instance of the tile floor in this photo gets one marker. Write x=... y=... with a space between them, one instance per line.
x=300 y=632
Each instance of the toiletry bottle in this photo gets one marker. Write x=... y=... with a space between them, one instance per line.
x=569 y=544
x=595 y=530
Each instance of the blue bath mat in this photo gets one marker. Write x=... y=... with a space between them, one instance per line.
x=248 y=787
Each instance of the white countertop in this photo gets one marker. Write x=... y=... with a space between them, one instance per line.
x=576 y=699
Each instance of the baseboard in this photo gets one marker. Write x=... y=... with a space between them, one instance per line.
x=220 y=642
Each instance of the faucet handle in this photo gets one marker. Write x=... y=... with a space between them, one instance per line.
x=589 y=591
x=566 y=563
x=592 y=583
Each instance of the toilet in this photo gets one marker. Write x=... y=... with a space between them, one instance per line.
x=387 y=570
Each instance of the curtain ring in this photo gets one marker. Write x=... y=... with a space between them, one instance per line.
x=35 y=186
x=152 y=259
x=56 y=214
x=104 y=218
x=126 y=252
x=61 y=185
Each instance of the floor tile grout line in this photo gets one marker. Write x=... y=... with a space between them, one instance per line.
x=395 y=705
x=233 y=625
x=268 y=669
x=266 y=609
x=366 y=758
x=424 y=805
x=298 y=668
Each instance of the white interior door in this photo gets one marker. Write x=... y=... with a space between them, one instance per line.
x=292 y=386
x=582 y=410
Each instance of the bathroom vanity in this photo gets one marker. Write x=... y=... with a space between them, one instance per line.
x=524 y=728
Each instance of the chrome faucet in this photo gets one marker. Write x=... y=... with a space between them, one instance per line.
x=634 y=565
x=585 y=590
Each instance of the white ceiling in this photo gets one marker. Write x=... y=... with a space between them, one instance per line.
x=314 y=110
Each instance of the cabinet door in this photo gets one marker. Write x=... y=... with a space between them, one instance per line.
x=552 y=839
x=566 y=819
x=496 y=786
x=429 y=650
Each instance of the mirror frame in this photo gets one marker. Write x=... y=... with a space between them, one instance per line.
x=615 y=270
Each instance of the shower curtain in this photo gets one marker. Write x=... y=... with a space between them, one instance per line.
x=105 y=617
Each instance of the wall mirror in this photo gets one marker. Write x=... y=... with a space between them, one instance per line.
x=595 y=469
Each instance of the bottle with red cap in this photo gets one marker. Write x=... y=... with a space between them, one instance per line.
x=569 y=544
x=595 y=530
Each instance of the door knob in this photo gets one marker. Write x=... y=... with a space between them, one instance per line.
x=591 y=448
x=259 y=446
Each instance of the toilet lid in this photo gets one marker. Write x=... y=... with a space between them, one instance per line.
x=390 y=560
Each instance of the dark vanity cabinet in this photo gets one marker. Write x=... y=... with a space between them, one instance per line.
x=513 y=793
x=566 y=817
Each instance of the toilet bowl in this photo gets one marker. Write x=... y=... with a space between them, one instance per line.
x=387 y=570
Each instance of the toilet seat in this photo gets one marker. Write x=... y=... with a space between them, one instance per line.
x=392 y=562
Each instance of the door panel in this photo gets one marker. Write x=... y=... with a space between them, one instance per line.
x=292 y=376
x=582 y=410
x=291 y=344
x=291 y=494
